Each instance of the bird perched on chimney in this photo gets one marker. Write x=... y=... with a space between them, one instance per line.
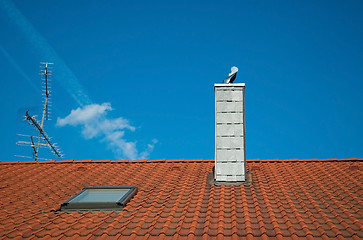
x=232 y=75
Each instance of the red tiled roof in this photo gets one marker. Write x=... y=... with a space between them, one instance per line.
x=287 y=199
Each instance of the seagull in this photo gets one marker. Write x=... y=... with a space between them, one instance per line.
x=232 y=75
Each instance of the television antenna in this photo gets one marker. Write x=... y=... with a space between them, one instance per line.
x=42 y=140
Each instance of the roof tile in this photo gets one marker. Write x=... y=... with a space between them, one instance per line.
x=288 y=199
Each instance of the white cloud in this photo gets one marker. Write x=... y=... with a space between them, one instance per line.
x=148 y=150
x=95 y=123
x=85 y=114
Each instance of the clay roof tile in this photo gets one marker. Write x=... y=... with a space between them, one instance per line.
x=292 y=199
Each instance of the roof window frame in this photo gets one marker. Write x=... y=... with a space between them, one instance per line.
x=70 y=205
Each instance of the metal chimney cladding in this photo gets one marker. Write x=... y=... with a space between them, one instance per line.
x=230 y=151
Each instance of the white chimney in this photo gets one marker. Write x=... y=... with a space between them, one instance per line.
x=230 y=146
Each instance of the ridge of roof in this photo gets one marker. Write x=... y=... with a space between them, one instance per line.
x=178 y=160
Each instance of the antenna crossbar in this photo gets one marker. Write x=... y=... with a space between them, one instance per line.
x=32 y=157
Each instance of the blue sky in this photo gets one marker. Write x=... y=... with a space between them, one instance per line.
x=139 y=76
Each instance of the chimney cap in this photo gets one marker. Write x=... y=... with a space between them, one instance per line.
x=232 y=75
x=229 y=84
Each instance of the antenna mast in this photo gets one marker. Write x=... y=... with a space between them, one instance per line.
x=46 y=73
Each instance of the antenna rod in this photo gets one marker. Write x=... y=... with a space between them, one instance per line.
x=45 y=108
x=33 y=146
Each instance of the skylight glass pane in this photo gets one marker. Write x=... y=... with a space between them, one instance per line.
x=100 y=195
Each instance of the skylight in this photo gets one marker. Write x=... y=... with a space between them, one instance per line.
x=100 y=197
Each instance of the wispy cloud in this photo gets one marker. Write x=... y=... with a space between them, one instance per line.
x=95 y=123
x=25 y=29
